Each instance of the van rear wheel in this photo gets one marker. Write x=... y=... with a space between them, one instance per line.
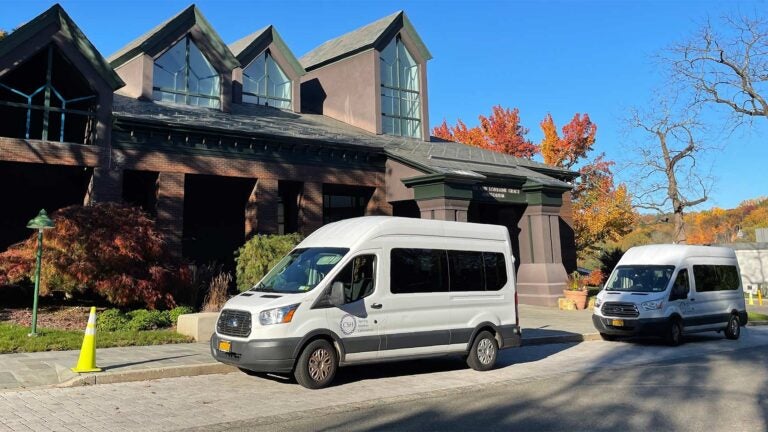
x=317 y=365
x=733 y=330
x=482 y=354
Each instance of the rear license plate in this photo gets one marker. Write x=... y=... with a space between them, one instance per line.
x=617 y=323
x=225 y=346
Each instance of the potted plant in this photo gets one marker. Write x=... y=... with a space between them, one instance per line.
x=576 y=291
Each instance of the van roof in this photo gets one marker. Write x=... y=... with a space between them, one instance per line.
x=672 y=254
x=349 y=233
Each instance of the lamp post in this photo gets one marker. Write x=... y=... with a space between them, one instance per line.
x=40 y=222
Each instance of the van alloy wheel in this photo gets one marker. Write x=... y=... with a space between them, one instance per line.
x=675 y=336
x=733 y=330
x=317 y=364
x=485 y=351
x=320 y=364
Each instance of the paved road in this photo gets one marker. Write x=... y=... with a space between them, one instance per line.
x=707 y=383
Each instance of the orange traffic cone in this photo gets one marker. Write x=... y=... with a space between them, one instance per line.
x=87 y=361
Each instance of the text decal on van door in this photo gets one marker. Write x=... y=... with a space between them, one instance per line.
x=348 y=324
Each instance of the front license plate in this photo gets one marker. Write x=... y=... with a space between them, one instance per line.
x=225 y=346
x=617 y=323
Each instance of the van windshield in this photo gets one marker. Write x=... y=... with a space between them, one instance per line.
x=640 y=278
x=301 y=270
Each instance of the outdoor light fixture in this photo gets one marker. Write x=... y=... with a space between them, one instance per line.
x=40 y=222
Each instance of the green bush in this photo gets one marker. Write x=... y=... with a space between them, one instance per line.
x=142 y=319
x=259 y=254
x=112 y=320
x=174 y=313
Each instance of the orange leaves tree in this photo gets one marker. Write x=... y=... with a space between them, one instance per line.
x=577 y=139
x=107 y=249
x=501 y=132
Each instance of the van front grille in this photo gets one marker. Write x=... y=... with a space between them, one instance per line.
x=625 y=310
x=234 y=323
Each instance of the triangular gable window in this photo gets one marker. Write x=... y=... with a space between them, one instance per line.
x=183 y=75
x=400 y=101
x=265 y=83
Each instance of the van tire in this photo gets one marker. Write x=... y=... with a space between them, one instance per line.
x=483 y=353
x=733 y=329
x=675 y=334
x=317 y=365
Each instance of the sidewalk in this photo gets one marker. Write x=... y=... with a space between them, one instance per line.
x=52 y=368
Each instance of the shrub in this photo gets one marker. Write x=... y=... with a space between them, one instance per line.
x=112 y=320
x=595 y=278
x=217 y=293
x=174 y=313
x=108 y=249
x=608 y=260
x=142 y=319
x=259 y=254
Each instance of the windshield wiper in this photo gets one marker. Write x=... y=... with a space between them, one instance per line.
x=262 y=288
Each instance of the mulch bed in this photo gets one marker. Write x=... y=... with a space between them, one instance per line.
x=53 y=317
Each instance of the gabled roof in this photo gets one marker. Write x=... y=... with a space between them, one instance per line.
x=56 y=16
x=157 y=39
x=247 y=48
x=374 y=35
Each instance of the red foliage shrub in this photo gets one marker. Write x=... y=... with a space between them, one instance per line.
x=594 y=278
x=109 y=249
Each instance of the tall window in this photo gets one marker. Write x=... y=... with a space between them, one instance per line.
x=265 y=83
x=183 y=75
x=400 y=103
x=344 y=202
x=46 y=98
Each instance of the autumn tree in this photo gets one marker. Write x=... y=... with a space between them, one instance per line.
x=576 y=141
x=3 y=34
x=669 y=177
x=727 y=64
x=501 y=132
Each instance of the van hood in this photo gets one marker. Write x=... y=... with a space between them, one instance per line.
x=259 y=300
x=630 y=297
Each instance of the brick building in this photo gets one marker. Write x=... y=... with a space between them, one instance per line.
x=220 y=142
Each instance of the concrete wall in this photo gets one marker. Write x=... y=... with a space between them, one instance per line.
x=753 y=264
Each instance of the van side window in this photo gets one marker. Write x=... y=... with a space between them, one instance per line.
x=358 y=278
x=495 y=271
x=682 y=287
x=418 y=271
x=715 y=278
x=466 y=271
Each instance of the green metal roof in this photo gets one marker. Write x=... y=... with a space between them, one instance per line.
x=247 y=48
x=56 y=16
x=157 y=39
x=374 y=35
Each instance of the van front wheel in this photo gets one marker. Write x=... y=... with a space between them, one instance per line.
x=317 y=365
x=482 y=354
x=733 y=331
x=675 y=335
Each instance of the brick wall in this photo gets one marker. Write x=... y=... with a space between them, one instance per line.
x=170 y=208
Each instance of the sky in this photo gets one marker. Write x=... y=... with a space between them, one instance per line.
x=558 y=57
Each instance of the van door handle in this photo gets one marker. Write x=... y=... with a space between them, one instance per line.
x=376 y=306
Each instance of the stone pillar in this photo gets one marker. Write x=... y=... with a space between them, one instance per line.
x=106 y=185
x=311 y=208
x=444 y=209
x=378 y=205
x=170 y=208
x=261 y=208
x=541 y=276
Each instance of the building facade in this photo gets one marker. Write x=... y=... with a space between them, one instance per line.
x=221 y=142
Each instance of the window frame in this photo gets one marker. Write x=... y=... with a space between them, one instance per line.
x=187 y=70
x=351 y=262
x=267 y=55
x=400 y=119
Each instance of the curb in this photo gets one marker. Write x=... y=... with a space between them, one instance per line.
x=148 y=374
x=757 y=323
x=546 y=340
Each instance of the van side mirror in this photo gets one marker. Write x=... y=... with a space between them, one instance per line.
x=337 y=294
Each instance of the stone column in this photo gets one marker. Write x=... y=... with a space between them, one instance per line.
x=261 y=208
x=378 y=205
x=170 y=208
x=105 y=185
x=541 y=276
x=311 y=208
x=444 y=209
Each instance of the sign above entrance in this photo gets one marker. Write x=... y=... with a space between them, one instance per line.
x=497 y=193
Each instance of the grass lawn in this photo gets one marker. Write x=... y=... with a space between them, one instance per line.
x=13 y=338
x=756 y=316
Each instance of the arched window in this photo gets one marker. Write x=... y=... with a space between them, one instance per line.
x=46 y=98
x=400 y=102
x=183 y=75
x=265 y=83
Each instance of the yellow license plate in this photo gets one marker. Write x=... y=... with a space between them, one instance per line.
x=617 y=323
x=225 y=346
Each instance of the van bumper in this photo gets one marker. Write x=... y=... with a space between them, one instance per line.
x=258 y=355
x=632 y=327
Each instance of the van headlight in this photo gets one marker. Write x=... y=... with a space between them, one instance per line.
x=598 y=302
x=653 y=304
x=279 y=315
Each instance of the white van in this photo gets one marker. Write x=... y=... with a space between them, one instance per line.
x=374 y=289
x=671 y=290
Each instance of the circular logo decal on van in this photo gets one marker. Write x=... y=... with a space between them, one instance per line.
x=348 y=324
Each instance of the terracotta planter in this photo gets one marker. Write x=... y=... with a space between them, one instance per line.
x=579 y=297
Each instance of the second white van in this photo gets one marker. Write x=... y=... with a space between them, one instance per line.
x=671 y=290
x=376 y=289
